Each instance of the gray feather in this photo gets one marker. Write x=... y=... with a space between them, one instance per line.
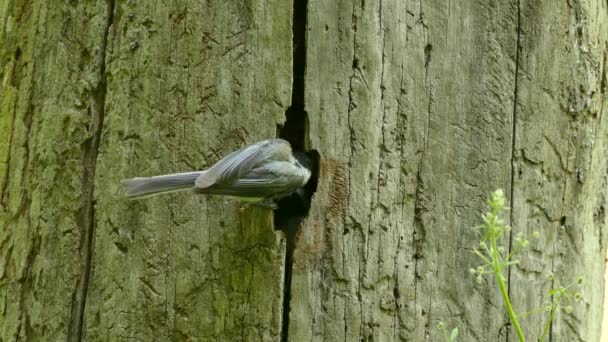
x=270 y=180
x=149 y=186
x=239 y=163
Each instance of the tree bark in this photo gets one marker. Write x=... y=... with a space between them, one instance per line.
x=97 y=92
x=418 y=110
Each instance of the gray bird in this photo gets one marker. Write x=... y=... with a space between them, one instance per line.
x=259 y=173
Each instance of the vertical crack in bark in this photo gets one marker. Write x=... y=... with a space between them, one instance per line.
x=90 y=149
x=290 y=237
x=513 y=141
x=420 y=198
x=293 y=209
x=351 y=106
x=401 y=143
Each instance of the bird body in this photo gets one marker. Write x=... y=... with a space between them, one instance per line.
x=259 y=172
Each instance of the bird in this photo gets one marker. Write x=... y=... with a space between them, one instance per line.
x=259 y=173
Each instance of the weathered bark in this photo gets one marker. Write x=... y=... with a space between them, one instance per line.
x=418 y=110
x=421 y=109
x=97 y=92
x=560 y=174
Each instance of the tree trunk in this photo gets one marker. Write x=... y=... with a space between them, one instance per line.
x=417 y=109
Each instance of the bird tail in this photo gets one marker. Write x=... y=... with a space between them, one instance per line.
x=140 y=187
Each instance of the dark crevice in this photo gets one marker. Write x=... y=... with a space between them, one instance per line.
x=427 y=55
x=298 y=53
x=604 y=82
x=90 y=149
x=513 y=142
x=293 y=209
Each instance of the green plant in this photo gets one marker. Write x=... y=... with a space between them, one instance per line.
x=453 y=333
x=496 y=260
x=557 y=295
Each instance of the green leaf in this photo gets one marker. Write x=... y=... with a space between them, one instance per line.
x=454 y=334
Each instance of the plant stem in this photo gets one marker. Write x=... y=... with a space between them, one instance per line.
x=498 y=268
x=512 y=316
x=551 y=315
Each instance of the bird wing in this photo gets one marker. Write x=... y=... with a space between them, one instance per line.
x=269 y=180
x=241 y=162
